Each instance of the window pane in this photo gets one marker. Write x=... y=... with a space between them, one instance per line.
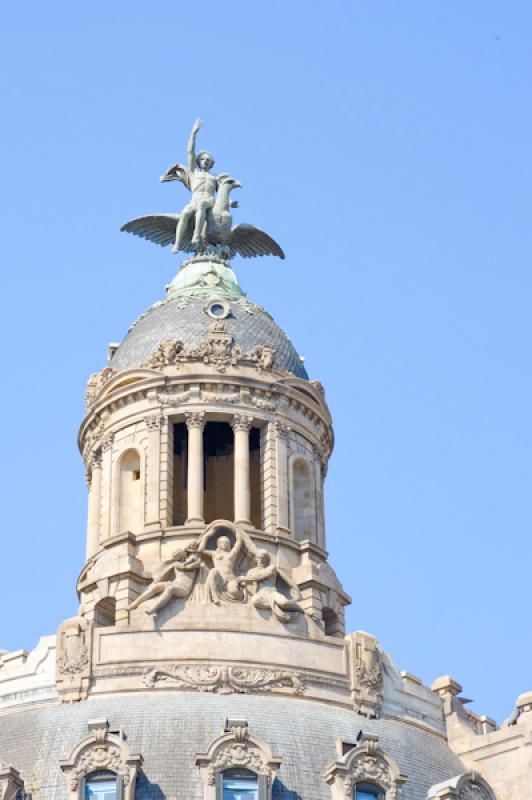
x=240 y=789
x=367 y=794
x=100 y=790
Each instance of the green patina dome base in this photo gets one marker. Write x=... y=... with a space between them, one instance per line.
x=204 y=275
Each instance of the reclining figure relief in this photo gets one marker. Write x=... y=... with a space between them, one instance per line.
x=216 y=569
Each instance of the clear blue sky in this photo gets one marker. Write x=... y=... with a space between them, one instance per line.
x=386 y=145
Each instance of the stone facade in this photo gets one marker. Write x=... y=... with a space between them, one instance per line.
x=210 y=634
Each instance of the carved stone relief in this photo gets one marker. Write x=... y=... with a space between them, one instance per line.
x=73 y=664
x=222 y=679
x=366 y=673
x=223 y=566
x=218 y=350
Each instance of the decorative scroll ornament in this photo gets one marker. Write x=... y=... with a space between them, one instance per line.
x=96 y=383
x=367 y=674
x=368 y=768
x=218 y=351
x=238 y=755
x=73 y=663
x=222 y=679
x=100 y=757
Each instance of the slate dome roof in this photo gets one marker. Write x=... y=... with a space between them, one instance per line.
x=186 y=319
x=170 y=728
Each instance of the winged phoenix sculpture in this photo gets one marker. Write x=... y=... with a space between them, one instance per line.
x=205 y=225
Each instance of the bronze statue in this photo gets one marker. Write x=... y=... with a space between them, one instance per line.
x=204 y=227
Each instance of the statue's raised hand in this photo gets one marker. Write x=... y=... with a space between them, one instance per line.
x=197 y=125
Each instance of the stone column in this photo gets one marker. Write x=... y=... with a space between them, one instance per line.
x=195 y=421
x=241 y=425
x=95 y=495
x=282 y=431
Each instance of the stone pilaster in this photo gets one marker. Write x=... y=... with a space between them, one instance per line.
x=282 y=431
x=106 y=487
x=153 y=475
x=95 y=495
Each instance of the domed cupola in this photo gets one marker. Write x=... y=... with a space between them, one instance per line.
x=203 y=296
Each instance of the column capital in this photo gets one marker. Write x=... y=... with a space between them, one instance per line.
x=107 y=441
x=241 y=422
x=195 y=419
x=281 y=428
x=95 y=460
x=153 y=422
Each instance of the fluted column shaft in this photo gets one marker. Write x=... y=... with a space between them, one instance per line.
x=195 y=423
x=95 y=494
x=241 y=425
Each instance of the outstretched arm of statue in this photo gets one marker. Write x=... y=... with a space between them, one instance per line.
x=192 y=146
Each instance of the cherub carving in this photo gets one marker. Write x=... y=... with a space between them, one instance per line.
x=265 y=594
x=183 y=565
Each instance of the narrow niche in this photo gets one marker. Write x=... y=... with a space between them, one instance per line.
x=304 y=501
x=129 y=493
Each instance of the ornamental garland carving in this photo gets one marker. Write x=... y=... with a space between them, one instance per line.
x=100 y=757
x=218 y=351
x=368 y=768
x=239 y=755
x=222 y=679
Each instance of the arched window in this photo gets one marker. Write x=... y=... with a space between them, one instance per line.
x=367 y=791
x=101 y=786
x=304 y=501
x=240 y=784
x=129 y=493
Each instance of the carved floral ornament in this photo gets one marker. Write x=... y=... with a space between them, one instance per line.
x=236 y=747
x=102 y=750
x=222 y=679
x=365 y=763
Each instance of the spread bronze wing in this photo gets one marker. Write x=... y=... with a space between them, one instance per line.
x=248 y=241
x=158 y=228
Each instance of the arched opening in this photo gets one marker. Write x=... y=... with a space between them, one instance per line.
x=129 y=493
x=367 y=791
x=218 y=451
x=100 y=786
x=105 y=612
x=304 y=501
x=179 y=505
x=240 y=784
